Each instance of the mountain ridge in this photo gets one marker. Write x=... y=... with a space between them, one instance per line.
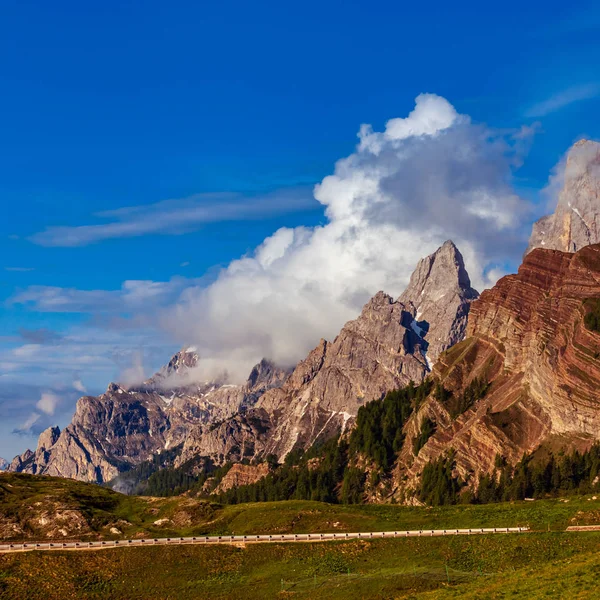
x=276 y=410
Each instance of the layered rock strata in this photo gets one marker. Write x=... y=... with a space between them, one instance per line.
x=527 y=336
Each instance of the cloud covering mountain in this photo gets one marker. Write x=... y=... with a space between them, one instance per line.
x=425 y=178
x=430 y=176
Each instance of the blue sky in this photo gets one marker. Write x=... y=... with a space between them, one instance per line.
x=214 y=122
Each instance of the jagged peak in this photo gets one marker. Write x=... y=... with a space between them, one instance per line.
x=266 y=374
x=48 y=438
x=115 y=388
x=175 y=372
x=584 y=142
x=442 y=270
x=186 y=358
x=379 y=299
x=575 y=223
x=580 y=157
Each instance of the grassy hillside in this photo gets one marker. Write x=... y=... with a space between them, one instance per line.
x=530 y=566
x=40 y=507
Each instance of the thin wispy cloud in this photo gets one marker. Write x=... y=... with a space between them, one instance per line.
x=19 y=269
x=134 y=295
x=176 y=217
x=564 y=98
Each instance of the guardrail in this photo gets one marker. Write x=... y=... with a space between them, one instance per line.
x=243 y=539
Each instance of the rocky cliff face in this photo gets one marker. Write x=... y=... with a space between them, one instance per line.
x=371 y=355
x=527 y=337
x=576 y=221
x=388 y=345
x=123 y=427
x=240 y=475
x=439 y=296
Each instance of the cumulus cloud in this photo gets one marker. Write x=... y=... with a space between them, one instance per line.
x=134 y=371
x=428 y=177
x=174 y=217
x=38 y=419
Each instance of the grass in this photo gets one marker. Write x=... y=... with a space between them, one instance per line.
x=535 y=565
x=23 y=498
x=538 y=565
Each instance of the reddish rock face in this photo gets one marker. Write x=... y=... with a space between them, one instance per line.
x=527 y=336
x=242 y=475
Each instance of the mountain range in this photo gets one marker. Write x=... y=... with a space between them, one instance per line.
x=528 y=346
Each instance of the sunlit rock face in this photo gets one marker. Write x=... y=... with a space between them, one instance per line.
x=391 y=343
x=576 y=221
x=125 y=426
x=440 y=294
x=527 y=336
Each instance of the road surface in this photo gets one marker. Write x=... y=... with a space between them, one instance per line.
x=252 y=539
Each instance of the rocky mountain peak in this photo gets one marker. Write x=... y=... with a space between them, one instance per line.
x=576 y=221
x=438 y=297
x=264 y=375
x=176 y=373
x=182 y=361
x=114 y=388
x=4 y=464
x=48 y=438
x=528 y=339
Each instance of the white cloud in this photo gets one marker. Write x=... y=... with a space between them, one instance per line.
x=431 y=115
x=29 y=423
x=174 y=217
x=48 y=403
x=78 y=385
x=134 y=295
x=428 y=177
x=27 y=350
x=563 y=99
x=134 y=371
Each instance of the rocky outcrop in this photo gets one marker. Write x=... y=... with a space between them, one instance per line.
x=527 y=336
x=576 y=221
x=386 y=347
x=376 y=352
x=241 y=475
x=21 y=462
x=4 y=464
x=438 y=297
